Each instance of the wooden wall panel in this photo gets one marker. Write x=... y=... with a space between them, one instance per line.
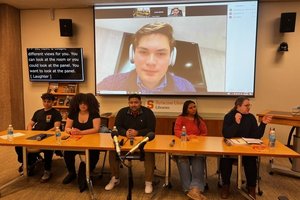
x=11 y=82
x=164 y=125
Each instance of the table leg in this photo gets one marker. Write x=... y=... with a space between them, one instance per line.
x=25 y=172
x=88 y=174
x=296 y=147
x=9 y=183
x=239 y=172
x=167 y=170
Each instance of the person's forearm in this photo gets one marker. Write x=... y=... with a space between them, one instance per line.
x=89 y=131
x=29 y=127
x=52 y=129
x=145 y=131
x=68 y=130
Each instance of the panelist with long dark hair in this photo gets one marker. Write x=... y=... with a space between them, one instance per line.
x=191 y=168
x=83 y=119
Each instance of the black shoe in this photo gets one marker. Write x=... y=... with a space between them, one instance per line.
x=20 y=169
x=59 y=153
x=39 y=158
x=69 y=178
x=225 y=192
x=252 y=192
x=82 y=183
x=46 y=176
x=30 y=170
x=83 y=187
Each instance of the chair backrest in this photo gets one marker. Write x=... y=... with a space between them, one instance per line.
x=173 y=127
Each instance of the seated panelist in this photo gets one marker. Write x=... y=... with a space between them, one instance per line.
x=191 y=168
x=239 y=122
x=134 y=120
x=45 y=119
x=83 y=119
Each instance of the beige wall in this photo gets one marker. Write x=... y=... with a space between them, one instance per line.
x=41 y=30
x=277 y=75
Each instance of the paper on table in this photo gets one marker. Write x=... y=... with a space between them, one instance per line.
x=253 y=140
x=15 y=135
x=234 y=141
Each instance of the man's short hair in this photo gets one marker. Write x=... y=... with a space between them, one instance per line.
x=134 y=96
x=48 y=96
x=153 y=28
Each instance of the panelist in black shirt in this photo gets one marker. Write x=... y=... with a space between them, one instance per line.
x=239 y=122
x=83 y=119
x=134 y=120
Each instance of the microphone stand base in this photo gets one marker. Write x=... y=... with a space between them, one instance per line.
x=130 y=176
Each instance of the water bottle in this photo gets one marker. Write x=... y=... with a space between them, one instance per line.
x=272 y=137
x=57 y=135
x=183 y=134
x=10 y=133
x=115 y=131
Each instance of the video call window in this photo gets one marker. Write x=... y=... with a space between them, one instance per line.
x=214 y=43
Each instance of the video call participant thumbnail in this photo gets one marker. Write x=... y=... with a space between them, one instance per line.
x=176 y=12
x=153 y=51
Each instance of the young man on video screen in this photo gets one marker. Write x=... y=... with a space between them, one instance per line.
x=153 y=51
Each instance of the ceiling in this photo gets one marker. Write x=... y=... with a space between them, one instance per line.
x=45 y=4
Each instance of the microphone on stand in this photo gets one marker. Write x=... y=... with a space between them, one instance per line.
x=41 y=137
x=172 y=143
x=114 y=135
x=150 y=136
x=131 y=139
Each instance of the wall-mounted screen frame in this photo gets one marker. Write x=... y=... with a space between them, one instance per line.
x=218 y=57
